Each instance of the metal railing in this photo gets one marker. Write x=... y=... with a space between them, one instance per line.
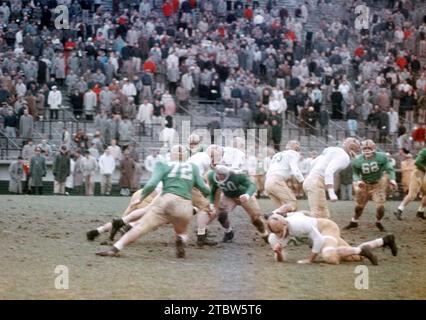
x=7 y=146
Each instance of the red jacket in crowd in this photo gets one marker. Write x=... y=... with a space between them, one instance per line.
x=290 y=35
x=149 y=66
x=175 y=5
x=167 y=9
x=221 y=31
x=359 y=52
x=193 y=3
x=419 y=134
x=248 y=13
x=401 y=62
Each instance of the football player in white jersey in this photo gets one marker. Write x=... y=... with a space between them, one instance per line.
x=235 y=157
x=321 y=177
x=194 y=145
x=325 y=236
x=284 y=165
x=206 y=213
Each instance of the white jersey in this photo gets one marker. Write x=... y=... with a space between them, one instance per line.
x=331 y=161
x=202 y=161
x=286 y=164
x=233 y=158
x=300 y=225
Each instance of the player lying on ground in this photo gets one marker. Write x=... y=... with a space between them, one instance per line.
x=134 y=204
x=370 y=182
x=172 y=206
x=416 y=184
x=321 y=177
x=325 y=236
x=237 y=190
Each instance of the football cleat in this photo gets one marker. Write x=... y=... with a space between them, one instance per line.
x=366 y=252
x=180 y=247
x=380 y=226
x=351 y=225
x=92 y=234
x=203 y=241
x=112 y=252
x=420 y=215
x=116 y=226
x=228 y=236
x=389 y=241
x=398 y=214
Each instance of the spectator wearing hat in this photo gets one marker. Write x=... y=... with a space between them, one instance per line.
x=61 y=170
x=38 y=170
x=54 y=100
x=16 y=172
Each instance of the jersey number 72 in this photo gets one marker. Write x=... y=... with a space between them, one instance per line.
x=181 y=170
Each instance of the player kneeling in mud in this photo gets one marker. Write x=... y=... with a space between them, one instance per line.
x=325 y=236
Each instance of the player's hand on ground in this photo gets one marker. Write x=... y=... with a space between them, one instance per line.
x=244 y=198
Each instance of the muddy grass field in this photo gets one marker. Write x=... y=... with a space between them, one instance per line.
x=37 y=234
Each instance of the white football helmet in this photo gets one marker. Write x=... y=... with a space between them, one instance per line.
x=215 y=153
x=293 y=145
x=351 y=146
x=193 y=141
x=178 y=153
x=222 y=173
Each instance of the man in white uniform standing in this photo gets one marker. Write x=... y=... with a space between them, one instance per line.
x=206 y=212
x=284 y=165
x=321 y=177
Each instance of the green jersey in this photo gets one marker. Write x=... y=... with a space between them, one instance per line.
x=421 y=160
x=178 y=178
x=371 y=170
x=233 y=187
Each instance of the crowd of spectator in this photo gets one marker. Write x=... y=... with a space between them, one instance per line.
x=141 y=62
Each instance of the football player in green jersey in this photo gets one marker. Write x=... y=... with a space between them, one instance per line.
x=416 y=184
x=237 y=190
x=172 y=206
x=371 y=182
